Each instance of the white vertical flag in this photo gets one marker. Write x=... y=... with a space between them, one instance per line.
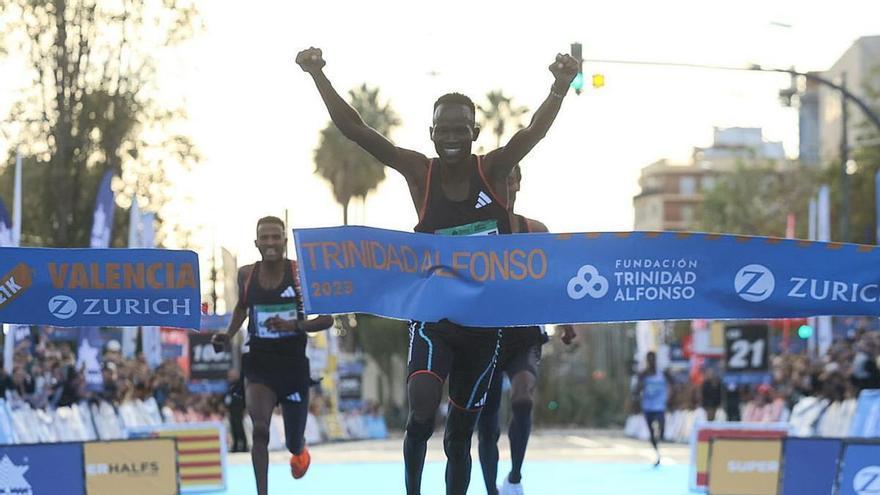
x=824 y=335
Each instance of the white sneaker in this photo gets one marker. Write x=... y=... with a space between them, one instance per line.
x=509 y=488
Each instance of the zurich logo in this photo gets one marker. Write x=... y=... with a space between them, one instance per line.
x=62 y=307
x=867 y=481
x=754 y=283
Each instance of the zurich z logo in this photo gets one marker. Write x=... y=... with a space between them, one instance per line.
x=754 y=283
x=62 y=307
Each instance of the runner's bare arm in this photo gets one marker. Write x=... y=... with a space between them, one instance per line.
x=318 y=324
x=536 y=226
x=500 y=162
x=239 y=314
x=411 y=164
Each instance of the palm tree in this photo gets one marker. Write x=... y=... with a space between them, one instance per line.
x=351 y=171
x=500 y=114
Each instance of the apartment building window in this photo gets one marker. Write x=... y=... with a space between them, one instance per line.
x=687 y=185
x=708 y=183
x=687 y=214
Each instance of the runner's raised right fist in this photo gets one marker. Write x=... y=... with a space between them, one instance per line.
x=311 y=60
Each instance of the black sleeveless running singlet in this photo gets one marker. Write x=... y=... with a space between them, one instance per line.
x=480 y=213
x=283 y=301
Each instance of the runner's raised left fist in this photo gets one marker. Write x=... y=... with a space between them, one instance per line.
x=564 y=69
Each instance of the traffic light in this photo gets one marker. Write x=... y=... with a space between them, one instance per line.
x=577 y=53
x=805 y=332
x=598 y=80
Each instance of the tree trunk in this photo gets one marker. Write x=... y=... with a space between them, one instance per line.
x=345 y=212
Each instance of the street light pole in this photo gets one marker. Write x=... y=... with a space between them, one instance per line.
x=872 y=116
x=844 y=159
x=841 y=88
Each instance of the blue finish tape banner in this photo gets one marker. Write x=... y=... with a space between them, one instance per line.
x=99 y=287
x=525 y=279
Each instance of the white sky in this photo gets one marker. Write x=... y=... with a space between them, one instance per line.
x=255 y=116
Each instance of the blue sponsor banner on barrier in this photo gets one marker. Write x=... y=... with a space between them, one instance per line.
x=99 y=287
x=860 y=471
x=866 y=420
x=42 y=469
x=810 y=465
x=507 y=280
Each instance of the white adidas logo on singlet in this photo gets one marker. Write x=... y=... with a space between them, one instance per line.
x=288 y=292
x=483 y=200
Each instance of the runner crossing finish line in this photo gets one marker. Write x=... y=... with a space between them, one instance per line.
x=500 y=280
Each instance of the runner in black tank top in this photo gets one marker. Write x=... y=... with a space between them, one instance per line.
x=276 y=369
x=454 y=194
x=519 y=358
x=480 y=212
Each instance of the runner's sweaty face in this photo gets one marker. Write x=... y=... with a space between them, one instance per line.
x=453 y=132
x=270 y=241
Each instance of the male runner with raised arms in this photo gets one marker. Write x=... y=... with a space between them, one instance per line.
x=519 y=359
x=457 y=193
x=276 y=369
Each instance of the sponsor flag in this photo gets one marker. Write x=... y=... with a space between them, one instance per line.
x=88 y=357
x=102 y=225
x=16 y=203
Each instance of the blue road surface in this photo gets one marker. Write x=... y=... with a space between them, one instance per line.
x=539 y=477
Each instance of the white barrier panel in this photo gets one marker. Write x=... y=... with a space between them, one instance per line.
x=108 y=425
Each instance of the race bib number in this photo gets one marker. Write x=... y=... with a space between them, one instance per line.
x=483 y=227
x=265 y=311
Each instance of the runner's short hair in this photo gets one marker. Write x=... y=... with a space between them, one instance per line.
x=457 y=99
x=270 y=220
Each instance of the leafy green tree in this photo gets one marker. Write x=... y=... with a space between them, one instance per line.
x=350 y=170
x=93 y=106
x=499 y=115
x=755 y=199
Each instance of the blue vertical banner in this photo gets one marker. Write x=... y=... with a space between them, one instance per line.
x=88 y=357
x=102 y=225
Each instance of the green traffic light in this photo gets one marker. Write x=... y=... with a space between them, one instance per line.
x=578 y=82
x=805 y=331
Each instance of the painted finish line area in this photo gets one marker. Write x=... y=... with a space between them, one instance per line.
x=582 y=278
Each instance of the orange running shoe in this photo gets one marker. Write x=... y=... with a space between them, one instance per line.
x=299 y=464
